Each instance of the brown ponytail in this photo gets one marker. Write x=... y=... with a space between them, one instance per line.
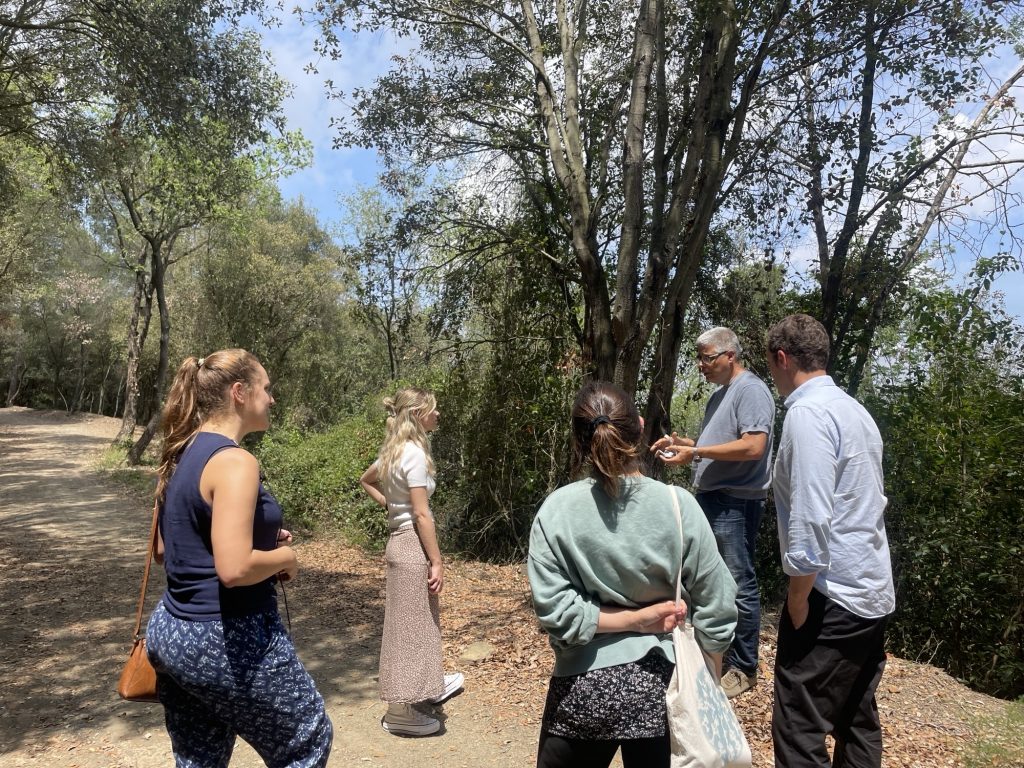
x=199 y=390
x=606 y=434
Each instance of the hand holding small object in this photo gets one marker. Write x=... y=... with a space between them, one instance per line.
x=664 y=447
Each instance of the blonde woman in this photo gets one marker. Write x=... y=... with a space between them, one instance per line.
x=221 y=653
x=402 y=480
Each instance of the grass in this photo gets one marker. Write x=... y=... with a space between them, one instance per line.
x=998 y=739
x=138 y=481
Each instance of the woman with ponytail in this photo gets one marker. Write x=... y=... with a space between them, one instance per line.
x=225 y=664
x=401 y=480
x=604 y=556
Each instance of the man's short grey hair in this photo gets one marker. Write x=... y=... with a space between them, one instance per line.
x=722 y=339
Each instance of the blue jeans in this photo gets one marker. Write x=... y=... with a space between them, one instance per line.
x=734 y=522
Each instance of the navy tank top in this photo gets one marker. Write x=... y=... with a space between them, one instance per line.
x=193 y=590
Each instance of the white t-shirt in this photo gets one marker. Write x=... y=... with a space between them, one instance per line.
x=410 y=472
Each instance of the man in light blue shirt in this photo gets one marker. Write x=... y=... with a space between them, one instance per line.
x=830 y=503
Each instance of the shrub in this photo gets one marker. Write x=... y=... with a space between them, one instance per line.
x=315 y=477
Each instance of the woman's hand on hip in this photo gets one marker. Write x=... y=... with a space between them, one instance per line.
x=435 y=578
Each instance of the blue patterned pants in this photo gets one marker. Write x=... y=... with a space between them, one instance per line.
x=236 y=677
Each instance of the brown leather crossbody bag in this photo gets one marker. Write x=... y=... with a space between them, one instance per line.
x=138 y=678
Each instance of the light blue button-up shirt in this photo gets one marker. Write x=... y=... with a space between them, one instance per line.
x=830 y=500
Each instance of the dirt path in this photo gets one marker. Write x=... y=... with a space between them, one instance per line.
x=71 y=547
x=71 y=553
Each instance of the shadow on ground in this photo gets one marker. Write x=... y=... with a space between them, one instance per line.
x=72 y=553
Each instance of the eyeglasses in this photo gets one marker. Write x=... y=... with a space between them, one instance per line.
x=709 y=359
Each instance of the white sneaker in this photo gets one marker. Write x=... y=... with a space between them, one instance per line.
x=403 y=720
x=452 y=684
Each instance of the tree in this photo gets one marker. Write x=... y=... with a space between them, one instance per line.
x=386 y=258
x=160 y=187
x=616 y=144
x=894 y=146
x=60 y=59
x=162 y=191
x=265 y=279
x=625 y=146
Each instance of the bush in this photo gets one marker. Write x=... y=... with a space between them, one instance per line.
x=315 y=477
x=953 y=429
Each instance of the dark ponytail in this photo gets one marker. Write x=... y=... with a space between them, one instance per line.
x=606 y=434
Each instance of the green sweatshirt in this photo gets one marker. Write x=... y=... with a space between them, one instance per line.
x=589 y=550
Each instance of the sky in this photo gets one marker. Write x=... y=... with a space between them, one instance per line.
x=337 y=172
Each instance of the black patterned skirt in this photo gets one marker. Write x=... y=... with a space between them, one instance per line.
x=626 y=701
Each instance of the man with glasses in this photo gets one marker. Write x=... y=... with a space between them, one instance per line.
x=731 y=462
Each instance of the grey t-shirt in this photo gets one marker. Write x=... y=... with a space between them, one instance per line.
x=744 y=405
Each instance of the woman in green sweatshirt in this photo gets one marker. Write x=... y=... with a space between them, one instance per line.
x=604 y=555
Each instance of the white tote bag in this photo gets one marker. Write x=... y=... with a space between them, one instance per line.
x=703 y=728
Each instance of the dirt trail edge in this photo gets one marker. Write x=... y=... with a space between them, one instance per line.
x=71 y=553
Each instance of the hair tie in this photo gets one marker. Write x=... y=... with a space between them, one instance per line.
x=201 y=361
x=602 y=419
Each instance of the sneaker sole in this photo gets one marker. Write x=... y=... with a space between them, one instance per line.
x=410 y=730
x=448 y=694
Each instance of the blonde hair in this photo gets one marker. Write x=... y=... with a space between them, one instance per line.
x=405 y=410
x=200 y=389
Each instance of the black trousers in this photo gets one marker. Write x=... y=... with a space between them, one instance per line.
x=826 y=674
x=559 y=752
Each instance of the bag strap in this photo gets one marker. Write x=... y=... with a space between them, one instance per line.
x=679 y=525
x=145 y=574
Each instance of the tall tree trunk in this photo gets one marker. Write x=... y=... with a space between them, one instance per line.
x=117 y=394
x=138 y=329
x=832 y=280
x=160 y=250
x=103 y=389
x=14 y=377
x=80 y=380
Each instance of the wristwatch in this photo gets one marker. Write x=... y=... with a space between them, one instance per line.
x=696 y=456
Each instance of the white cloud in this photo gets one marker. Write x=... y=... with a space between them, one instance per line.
x=365 y=57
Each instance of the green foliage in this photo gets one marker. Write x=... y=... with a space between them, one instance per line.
x=949 y=406
x=501 y=449
x=509 y=381
x=175 y=61
x=57 y=301
x=315 y=477
x=266 y=281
